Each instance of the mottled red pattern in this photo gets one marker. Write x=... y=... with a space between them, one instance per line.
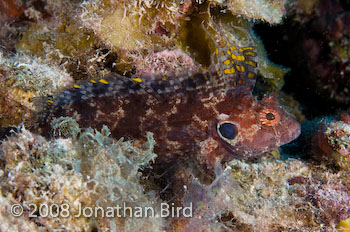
x=209 y=116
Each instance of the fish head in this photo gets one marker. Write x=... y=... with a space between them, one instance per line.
x=249 y=127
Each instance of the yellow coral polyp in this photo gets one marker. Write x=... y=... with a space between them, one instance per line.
x=344 y=225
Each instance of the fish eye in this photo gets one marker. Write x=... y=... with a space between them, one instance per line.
x=269 y=117
x=227 y=130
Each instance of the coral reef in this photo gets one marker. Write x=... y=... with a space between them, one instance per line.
x=186 y=71
x=325 y=48
x=24 y=78
x=165 y=63
x=11 y=20
x=333 y=202
x=88 y=41
x=57 y=36
x=34 y=74
x=344 y=225
x=143 y=26
x=15 y=104
x=64 y=44
x=331 y=143
x=268 y=196
x=178 y=25
x=251 y=197
x=269 y=11
x=11 y=10
x=89 y=170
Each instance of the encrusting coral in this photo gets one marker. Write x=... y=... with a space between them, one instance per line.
x=84 y=38
x=64 y=44
x=24 y=78
x=165 y=63
x=85 y=168
x=272 y=195
x=89 y=168
x=143 y=26
x=178 y=25
x=53 y=32
x=344 y=225
x=269 y=11
x=31 y=73
x=331 y=143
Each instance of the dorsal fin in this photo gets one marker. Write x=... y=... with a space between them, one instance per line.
x=234 y=67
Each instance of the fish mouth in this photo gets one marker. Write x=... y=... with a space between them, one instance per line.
x=232 y=153
x=243 y=152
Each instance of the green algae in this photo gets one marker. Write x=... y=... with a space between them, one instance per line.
x=68 y=39
x=143 y=28
x=67 y=44
x=271 y=195
x=85 y=167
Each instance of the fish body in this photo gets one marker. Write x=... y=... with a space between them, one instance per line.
x=207 y=115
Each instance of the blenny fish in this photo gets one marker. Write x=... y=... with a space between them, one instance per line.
x=210 y=115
